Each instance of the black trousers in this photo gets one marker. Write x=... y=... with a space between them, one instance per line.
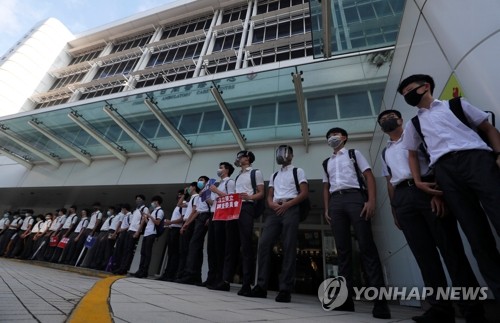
x=6 y=236
x=216 y=244
x=57 y=252
x=425 y=234
x=185 y=239
x=119 y=250
x=239 y=234
x=146 y=252
x=128 y=252
x=345 y=210
x=18 y=245
x=70 y=250
x=195 y=255
x=470 y=181
x=173 y=245
x=286 y=226
x=29 y=244
x=108 y=252
x=96 y=254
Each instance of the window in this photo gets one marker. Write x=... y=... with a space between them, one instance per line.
x=353 y=105
x=321 y=108
x=263 y=115
x=288 y=113
x=212 y=121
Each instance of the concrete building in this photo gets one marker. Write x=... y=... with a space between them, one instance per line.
x=149 y=103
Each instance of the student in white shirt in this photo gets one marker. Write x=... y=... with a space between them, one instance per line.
x=150 y=220
x=19 y=241
x=76 y=240
x=96 y=254
x=119 y=236
x=347 y=205
x=66 y=229
x=29 y=242
x=187 y=232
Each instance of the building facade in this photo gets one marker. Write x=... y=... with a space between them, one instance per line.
x=150 y=103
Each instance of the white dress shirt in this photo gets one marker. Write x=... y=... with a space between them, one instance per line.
x=284 y=183
x=342 y=172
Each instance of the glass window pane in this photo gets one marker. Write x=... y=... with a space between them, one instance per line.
x=258 y=35
x=149 y=128
x=320 y=109
x=271 y=32
x=240 y=117
x=212 y=121
x=288 y=113
x=377 y=96
x=263 y=115
x=190 y=123
x=354 y=105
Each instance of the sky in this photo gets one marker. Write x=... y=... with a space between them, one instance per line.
x=18 y=16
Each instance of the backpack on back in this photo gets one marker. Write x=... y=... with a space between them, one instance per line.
x=160 y=227
x=259 y=205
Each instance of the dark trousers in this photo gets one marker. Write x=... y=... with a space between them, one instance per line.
x=18 y=245
x=96 y=254
x=128 y=252
x=345 y=210
x=41 y=253
x=57 y=252
x=470 y=181
x=424 y=231
x=146 y=252
x=185 y=239
x=119 y=249
x=173 y=245
x=195 y=255
x=70 y=249
x=286 y=226
x=239 y=233
x=28 y=246
x=6 y=236
x=216 y=243
x=108 y=252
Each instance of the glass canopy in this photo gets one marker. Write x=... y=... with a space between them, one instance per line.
x=263 y=106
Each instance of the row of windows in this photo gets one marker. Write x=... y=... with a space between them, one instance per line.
x=85 y=57
x=163 y=78
x=138 y=41
x=271 y=30
x=124 y=68
x=70 y=79
x=234 y=14
x=225 y=42
x=51 y=103
x=359 y=11
x=280 y=54
x=106 y=91
x=187 y=27
x=175 y=54
x=273 y=5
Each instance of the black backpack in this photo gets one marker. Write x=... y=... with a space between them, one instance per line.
x=305 y=205
x=160 y=227
x=359 y=174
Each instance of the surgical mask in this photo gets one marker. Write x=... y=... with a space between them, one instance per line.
x=334 y=141
x=282 y=155
x=200 y=184
x=237 y=163
x=6 y=215
x=138 y=203
x=47 y=218
x=389 y=125
x=153 y=204
x=108 y=213
x=219 y=172
x=413 y=98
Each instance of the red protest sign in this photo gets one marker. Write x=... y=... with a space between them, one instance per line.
x=227 y=207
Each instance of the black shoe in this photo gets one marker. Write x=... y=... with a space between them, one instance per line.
x=283 y=297
x=224 y=286
x=348 y=306
x=436 y=315
x=257 y=291
x=189 y=280
x=140 y=274
x=245 y=291
x=381 y=310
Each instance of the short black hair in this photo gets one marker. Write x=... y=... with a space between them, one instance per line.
x=246 y=153
x=228 y=166
x=142 y=197
x=63 y=210
x=112 y=208
x=125 y=206
x=337 y=130
x=386 y=112
x=416 y=78
x=205 y=178
x=157 y=198
x=195 y=185
x=96 y=204
x=73 y=207
x=290 y=149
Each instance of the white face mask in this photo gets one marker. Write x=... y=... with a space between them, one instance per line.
x=334 y=141
x=219 y=172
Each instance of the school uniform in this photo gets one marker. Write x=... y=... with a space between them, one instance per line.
x=99 y=245
x=239 y=234
x=130 y=240
x=185 y=237
x=19 y=241
x=29 y=243
x=426 y=233
x=42 y=240
x=72 y=251
x=4 y=225
x=120 y=242
x=216 y=238
x=91 y=229
x=466 y=172
x=173 y=245
x=345 y=204
x=47 y=251
x=9 y=234
x=285 y=225
x=194 y=261
x=147 y=243
x=65 y=231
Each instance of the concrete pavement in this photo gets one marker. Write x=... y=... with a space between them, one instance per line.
x=39 y=292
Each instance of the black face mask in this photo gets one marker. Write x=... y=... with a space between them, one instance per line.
x=389 y=125
x=413 y=98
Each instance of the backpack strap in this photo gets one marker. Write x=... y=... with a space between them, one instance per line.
x=253 y=180
x=383 y=157
x=352 y=156
x=296 y=179
x=458 y=110
x=325 y=167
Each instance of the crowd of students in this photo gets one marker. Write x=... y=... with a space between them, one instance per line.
x=457 y=171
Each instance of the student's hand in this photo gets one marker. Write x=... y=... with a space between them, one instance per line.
x=136 y=235
x=368 y=210
x=429 y=188
x=244 y=196
x=281 y=208
x=76 y=239
x=438 y=206
x=213 y=188
x=327 y=217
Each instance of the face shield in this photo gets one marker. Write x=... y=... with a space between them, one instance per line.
x=282 y=155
